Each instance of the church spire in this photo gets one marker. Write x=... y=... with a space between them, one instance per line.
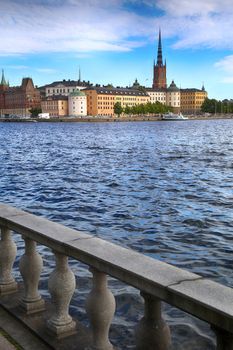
x=3 y=81
x=79 y=74
x=160 y=69
x=160 y=55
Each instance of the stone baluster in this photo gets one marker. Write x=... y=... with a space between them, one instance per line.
x=152 y=332
x=224 y=339
x=100 y=307
x=8 y=251
x=61 y=287
x=30 y=266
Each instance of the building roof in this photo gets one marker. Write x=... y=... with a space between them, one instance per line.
x=192 y=90
x=3 y=81
x=156 y=90
x=55 y=98
x=173 y=87
x=160 y=54
x=27 y=82
x=67 y=83
x=77 y=92
x=116 y=91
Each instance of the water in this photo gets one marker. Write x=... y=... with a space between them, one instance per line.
x=161 y=188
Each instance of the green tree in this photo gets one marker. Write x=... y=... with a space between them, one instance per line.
x=127 y=110
x=118 y=109
x=148 y=108
x=35 y=111
x=210 y=106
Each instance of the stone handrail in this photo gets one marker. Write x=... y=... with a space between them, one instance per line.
x=156 y=280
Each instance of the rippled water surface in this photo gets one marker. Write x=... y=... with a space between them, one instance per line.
x=161 y=188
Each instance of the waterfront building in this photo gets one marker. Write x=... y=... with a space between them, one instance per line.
x=101 y=100
x=63 y=87
x=159 y=91
x=18 y=100
x=168 y=96
x=157 y=95
x=173 y=97
x=56 y=106
x=77 y=103
x=192 y=99
x=188 y=101
x=160 y=68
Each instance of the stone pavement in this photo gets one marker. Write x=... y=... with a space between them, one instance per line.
x=5 y=344
x=19 y=333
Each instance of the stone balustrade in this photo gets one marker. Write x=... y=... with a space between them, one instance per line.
x=157 y=282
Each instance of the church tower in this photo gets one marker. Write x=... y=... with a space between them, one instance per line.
x=160 y=76
x=3 y=85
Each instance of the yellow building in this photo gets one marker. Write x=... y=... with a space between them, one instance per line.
x=101 y=100
x=56 y=106
x=191 y=100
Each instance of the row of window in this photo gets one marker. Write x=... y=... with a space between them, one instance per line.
x=158 y=99
x=54 y=91
x=106 y=97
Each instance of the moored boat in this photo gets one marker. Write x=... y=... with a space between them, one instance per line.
x=172 y=116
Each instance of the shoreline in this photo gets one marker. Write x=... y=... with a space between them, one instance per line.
x=108 y=120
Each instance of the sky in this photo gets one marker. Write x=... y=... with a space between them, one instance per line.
x=115 y=41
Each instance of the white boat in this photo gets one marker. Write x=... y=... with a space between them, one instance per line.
x=172 y=116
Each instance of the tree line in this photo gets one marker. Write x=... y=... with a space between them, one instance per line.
x=148 y=108
x=214 y=106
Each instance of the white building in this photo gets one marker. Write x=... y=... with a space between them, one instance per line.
x=169 y=96
x=157 y=95
x=173 y=96
x=77 y=103
x=64 y=87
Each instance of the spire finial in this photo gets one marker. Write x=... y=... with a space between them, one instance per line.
x=3 y=81
x=79 y=74
x=160 y=55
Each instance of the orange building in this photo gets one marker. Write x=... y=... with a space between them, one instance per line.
x=101 y=100
x=56 y=106
x=191 y=100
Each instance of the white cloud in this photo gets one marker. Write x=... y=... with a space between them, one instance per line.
x=226 y=66
x=228 y=80
x=74 y=26
x=46 y=70
x=77 y=26
x=17 y=67
x=196 y=24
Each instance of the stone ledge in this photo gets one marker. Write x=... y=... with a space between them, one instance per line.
x=205 y=299
x=31 y=329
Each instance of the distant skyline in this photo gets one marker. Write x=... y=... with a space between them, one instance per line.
x=115 y=41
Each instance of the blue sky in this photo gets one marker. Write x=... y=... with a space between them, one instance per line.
x=115 y=41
